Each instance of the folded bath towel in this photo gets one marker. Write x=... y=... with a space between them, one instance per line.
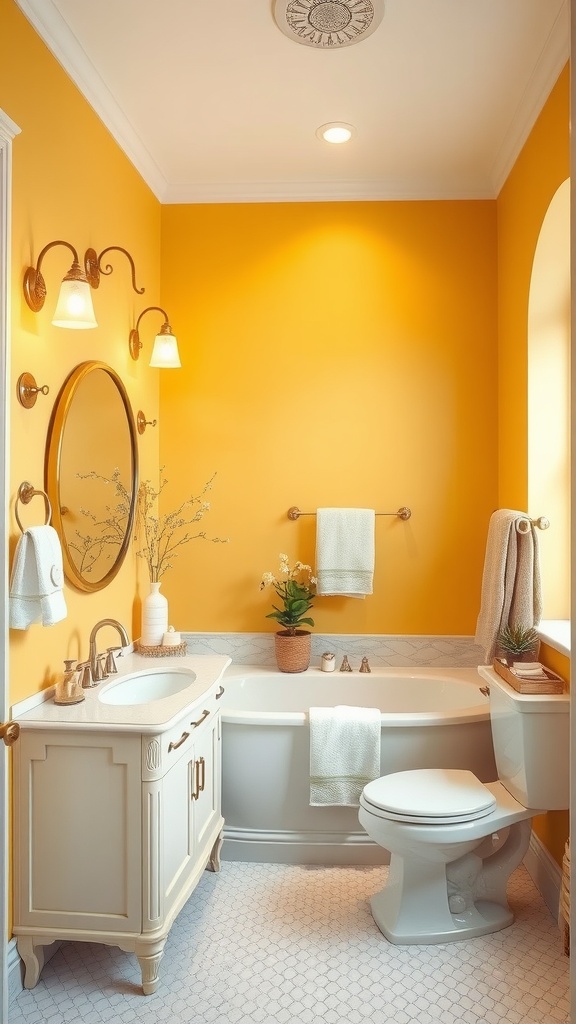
x=345 y=551
x=511 y=590
x=344 y=753
x=37 y=579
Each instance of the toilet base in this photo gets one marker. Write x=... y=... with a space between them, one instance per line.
x=428 y=901
x=481 y=919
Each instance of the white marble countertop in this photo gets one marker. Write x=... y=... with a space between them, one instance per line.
x=155 y=716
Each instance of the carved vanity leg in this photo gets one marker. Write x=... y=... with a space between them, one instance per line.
x=33 y=957
x=149 y=965
x=214 y=862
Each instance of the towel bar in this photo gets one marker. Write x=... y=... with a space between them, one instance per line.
x=25 y=494
x=542 y=522
x=402 y=513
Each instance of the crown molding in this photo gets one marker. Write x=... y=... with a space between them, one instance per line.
x=555 y=54
x=63 y=44
x=65 y=47
x=320 y=191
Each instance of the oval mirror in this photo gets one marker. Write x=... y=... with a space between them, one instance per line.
x=92 y=474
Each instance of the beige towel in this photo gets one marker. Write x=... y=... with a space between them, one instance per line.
x=511 y=591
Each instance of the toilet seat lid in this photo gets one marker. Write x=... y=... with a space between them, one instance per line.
x=430 y=796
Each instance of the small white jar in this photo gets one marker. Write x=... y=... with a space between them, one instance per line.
x=328 y=663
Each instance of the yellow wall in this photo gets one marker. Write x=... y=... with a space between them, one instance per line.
x=333 y=354
x=541 y=167
x=70 y=181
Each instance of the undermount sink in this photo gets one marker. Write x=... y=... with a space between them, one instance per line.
x=143 y=687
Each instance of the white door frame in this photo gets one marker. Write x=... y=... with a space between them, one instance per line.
x=7 y=132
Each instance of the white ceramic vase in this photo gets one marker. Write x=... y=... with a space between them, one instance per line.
x=154 y=617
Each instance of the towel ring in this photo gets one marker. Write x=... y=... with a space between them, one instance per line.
x=25 y=494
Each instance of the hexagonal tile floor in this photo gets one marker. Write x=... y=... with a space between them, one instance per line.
x=275 y=944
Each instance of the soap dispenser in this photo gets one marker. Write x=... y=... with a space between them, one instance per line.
x=68 y=689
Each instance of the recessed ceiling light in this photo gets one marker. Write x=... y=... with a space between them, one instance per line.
x=336 y=132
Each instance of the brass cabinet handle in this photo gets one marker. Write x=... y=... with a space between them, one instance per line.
x=220 y=692
x=199 y=777
x=200 y=720
x=9 y=732
x=196 y=791
x=183 y=738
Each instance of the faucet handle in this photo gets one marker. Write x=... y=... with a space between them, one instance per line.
x=86 y=680
x=100 y=673
x=365 y=667
x=345 y=666
x=110 y=666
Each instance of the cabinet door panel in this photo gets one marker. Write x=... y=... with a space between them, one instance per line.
x=206 y=808
x=80 y=798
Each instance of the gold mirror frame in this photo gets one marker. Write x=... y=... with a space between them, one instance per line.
x=54 y=458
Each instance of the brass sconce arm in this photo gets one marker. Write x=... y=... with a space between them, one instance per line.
x=134 y=340
x=142 y=422
x=34 y=284
x=93 y=266
x=27 y=390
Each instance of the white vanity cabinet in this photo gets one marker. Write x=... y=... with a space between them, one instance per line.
x=113 y=828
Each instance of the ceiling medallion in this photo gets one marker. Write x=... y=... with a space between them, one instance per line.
x=328 y=24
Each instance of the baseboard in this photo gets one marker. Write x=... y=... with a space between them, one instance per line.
x=545 y=873
x=284 y=847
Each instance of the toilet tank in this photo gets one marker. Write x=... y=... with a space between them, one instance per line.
x=531 y=733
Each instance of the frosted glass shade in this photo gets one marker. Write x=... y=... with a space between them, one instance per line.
x=165 y=352
x=74 y=308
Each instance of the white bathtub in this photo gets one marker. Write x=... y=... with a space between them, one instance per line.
x=431 y=718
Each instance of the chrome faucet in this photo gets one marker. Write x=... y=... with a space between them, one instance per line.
x=98 y=670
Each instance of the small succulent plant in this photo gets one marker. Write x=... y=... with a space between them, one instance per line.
x=518 y=640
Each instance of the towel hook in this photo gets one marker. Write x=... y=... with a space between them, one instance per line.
x=25 y=494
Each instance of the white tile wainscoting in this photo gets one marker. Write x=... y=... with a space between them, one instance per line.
x=381 y=649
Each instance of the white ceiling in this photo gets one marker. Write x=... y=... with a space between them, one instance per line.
x=213 y=103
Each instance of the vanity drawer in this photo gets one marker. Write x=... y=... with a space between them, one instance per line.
x=161 y=752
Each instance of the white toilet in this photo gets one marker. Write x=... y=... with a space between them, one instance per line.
x=454 y=841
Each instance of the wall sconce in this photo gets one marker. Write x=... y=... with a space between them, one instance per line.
x=165 y=352
x=93 y=268
x=74 y=308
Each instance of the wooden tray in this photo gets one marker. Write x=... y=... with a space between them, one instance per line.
x=550 y=682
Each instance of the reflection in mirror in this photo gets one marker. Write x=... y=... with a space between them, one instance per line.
x=91 y=474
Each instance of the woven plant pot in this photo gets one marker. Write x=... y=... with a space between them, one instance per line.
x=292 y=651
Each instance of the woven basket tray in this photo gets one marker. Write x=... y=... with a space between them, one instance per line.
x=549 y=683
x=162 y=652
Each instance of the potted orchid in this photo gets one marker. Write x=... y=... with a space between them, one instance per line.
x=295 y=590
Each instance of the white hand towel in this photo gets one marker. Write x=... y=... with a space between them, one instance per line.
x=344 y=753
x=37 y=579
x=345 y=551
x=511 y=590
